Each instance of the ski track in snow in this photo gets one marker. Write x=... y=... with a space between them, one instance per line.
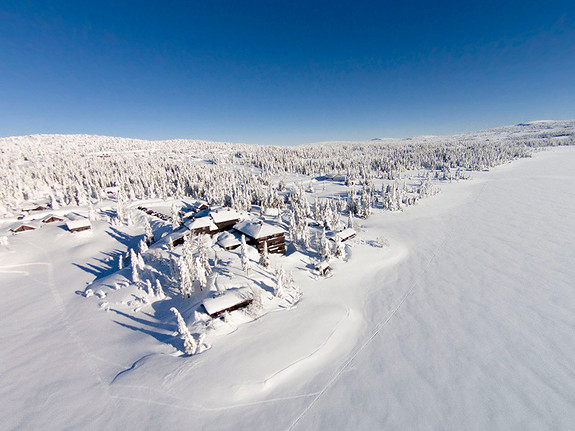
x=88 y=357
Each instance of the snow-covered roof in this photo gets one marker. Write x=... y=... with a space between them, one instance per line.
x=79 y=224
x=201 y=223
x=347 y=233
x=18 y=226
x=52 y=216
x=222 y=216
x=227 y=240
x=35 y=206
x=257 y=229
x=198 y=205
x=230 y=299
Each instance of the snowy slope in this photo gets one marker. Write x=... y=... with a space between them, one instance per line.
x=464 y=322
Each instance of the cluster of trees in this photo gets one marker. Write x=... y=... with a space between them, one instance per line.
x=77 y=169
x=192 y=269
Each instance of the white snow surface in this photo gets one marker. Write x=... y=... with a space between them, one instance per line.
x=464 y=322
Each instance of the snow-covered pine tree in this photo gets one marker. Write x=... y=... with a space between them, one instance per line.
x=265 y=256
x=190 y=344
x=149 y=234
x=175 y=218
x=280 y=282
x=135 y=275
x=324 y=248
x=201 y=275
x=256 y=308
x=203 y=255
x=159 y=291
x=246 y=266
x=185 y=278
x=338 y=248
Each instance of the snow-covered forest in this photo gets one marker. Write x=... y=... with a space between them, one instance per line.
x=73 y=169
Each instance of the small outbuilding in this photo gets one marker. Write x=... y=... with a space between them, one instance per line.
x=322 y=267
x=342 y=235
x=260 y=233
x=228 y=241
x=35 y=207
x=231 y=300
x=79 y=225
x=22 y=227
x=52 y=219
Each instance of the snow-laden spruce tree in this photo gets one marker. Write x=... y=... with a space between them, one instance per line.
x=190 y=344
x=338 y=248
x=256 y=308
x=201 y=274
x=246 y=266
x=159 y=291
x=324 y=248
x=149 y=234
x=175 y=218
x=186 y=277
x=265 y=256
x=279 y=288
x=203 y=255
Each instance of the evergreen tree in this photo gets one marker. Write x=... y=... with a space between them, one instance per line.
x=246 y=266
x=265 y=256
x=159 y=291
x=149 y=234
x=190 y=344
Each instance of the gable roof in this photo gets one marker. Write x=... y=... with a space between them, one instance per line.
x=222 y=216
x=343 y=235
x=21 y=227
x=201 y=223
x=52 y=217
x=229 y=299
x=257 y=229
x=228 y=240
x=79 y=224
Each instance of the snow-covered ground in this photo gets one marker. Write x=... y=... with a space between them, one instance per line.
x=464 y=322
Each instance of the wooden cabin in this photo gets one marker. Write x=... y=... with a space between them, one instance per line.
x=35 y=207
x=322 y=267
x=342 y=235
x=225 y=219
x=260 y=233
x=231 y=300
x=202 y=225
x=22 y=228
x=79 y=225
x=228 y=241
x=51 y=219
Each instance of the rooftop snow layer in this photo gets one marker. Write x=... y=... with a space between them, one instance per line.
x=78 y=224
x=257 y=229
x=202 y=222
x=229 y=299
x=227 y=240
x=222 y=216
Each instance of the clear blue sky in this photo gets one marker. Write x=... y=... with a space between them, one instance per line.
x=282 y=72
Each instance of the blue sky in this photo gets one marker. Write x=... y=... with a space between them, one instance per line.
x=271 y=72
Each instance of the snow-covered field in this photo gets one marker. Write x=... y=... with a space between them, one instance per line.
x=465 y=321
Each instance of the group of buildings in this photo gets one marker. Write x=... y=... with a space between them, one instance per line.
x=227 y=221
